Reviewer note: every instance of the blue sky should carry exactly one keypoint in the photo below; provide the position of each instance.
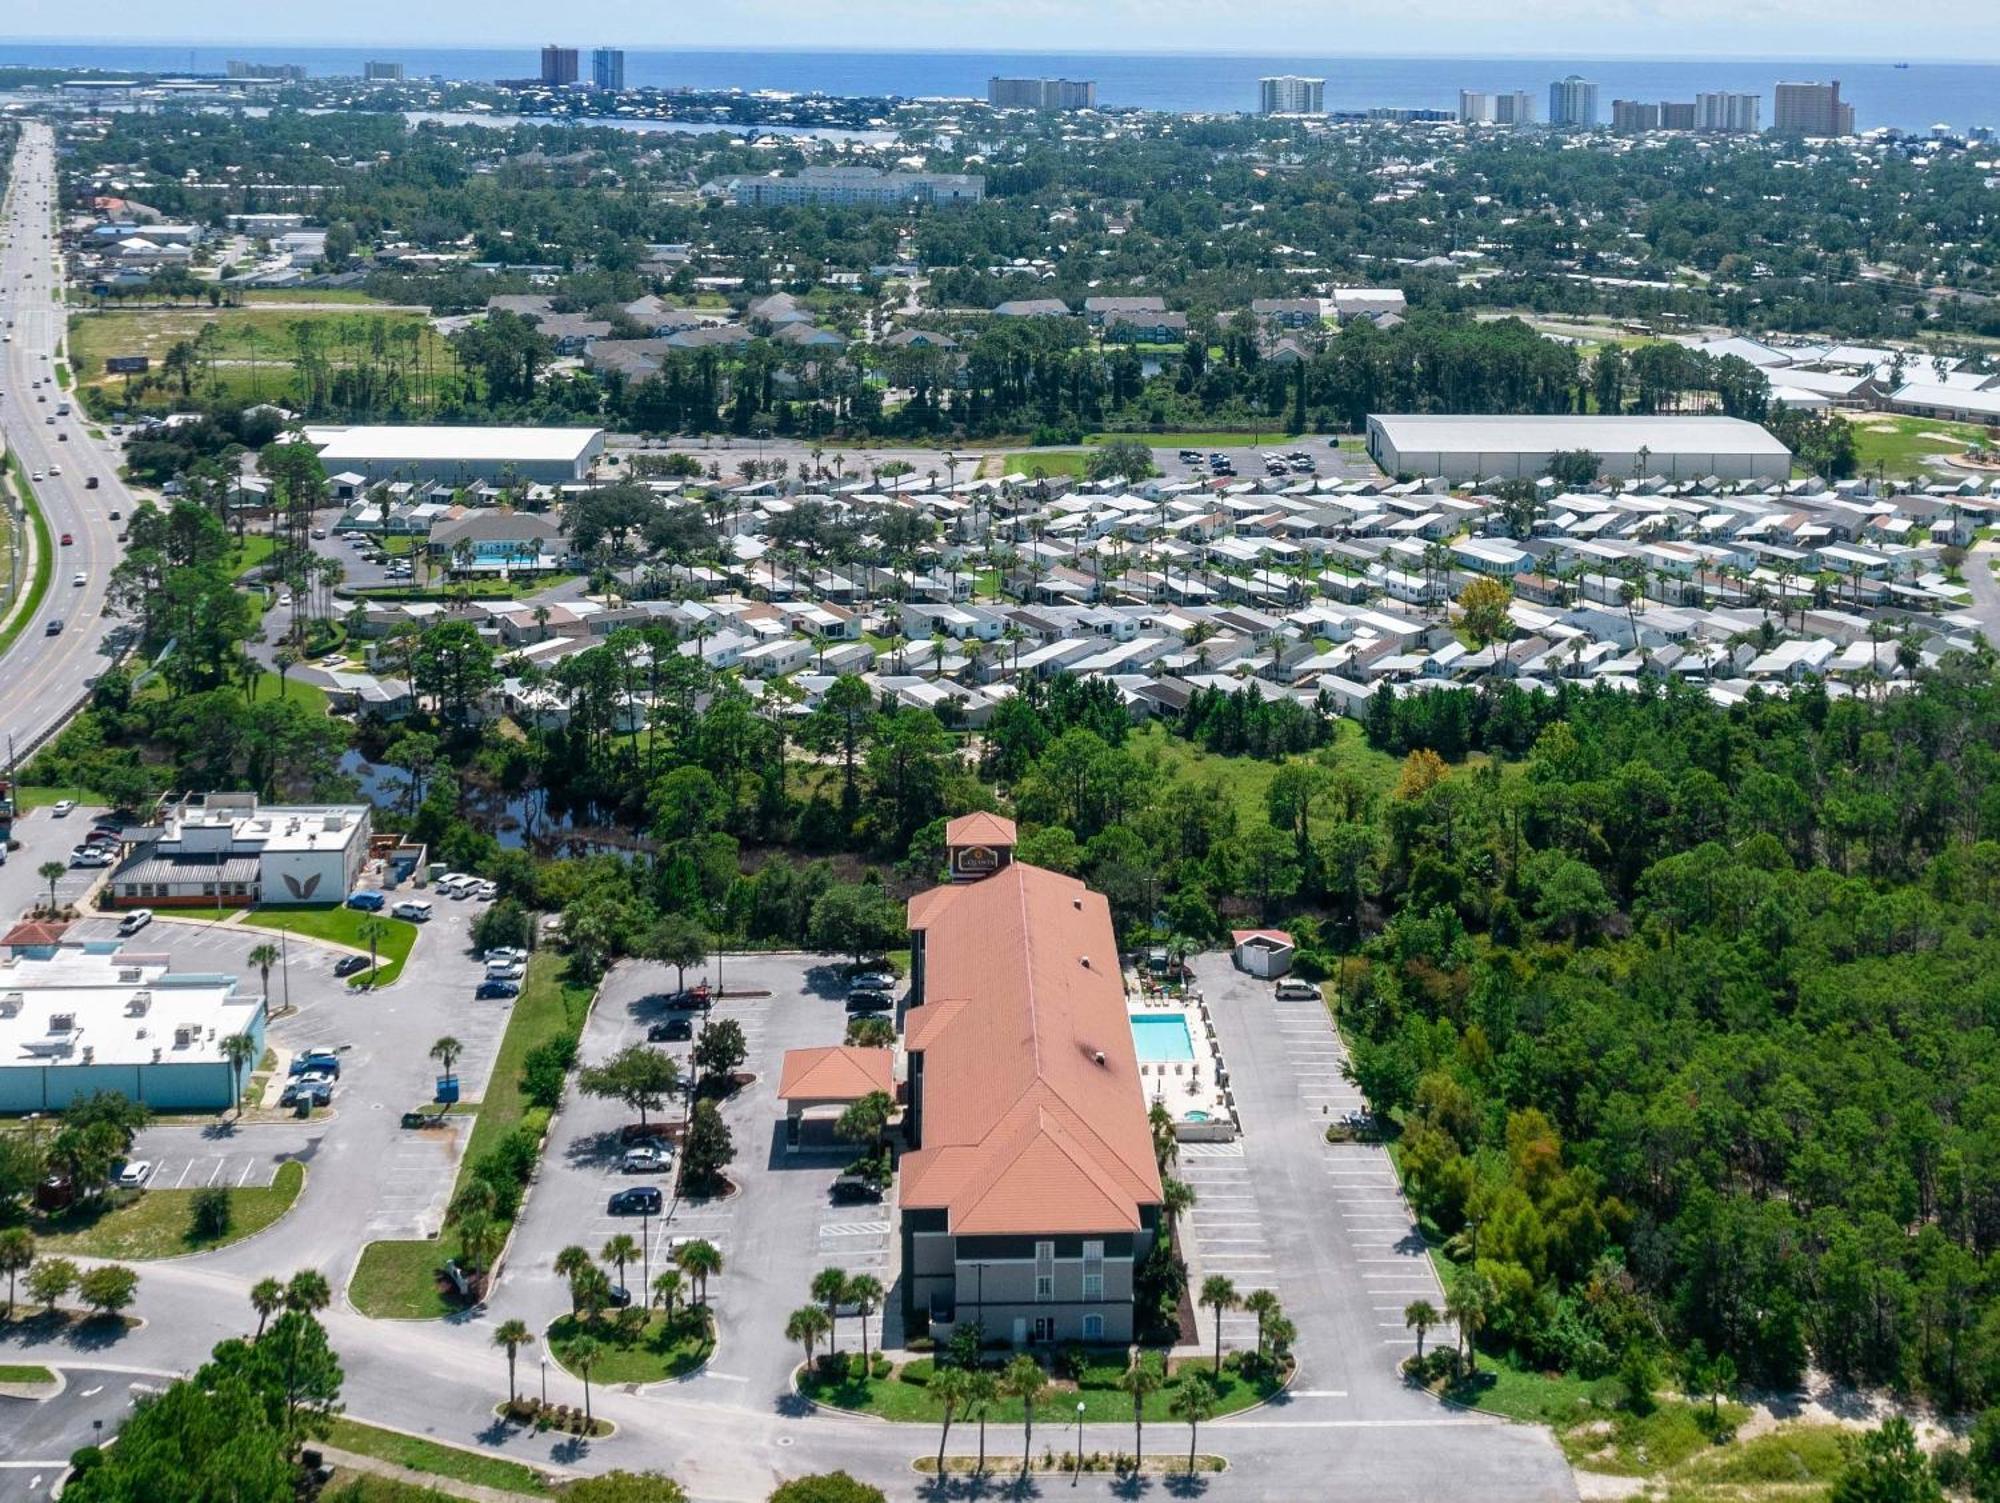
(1957, 30)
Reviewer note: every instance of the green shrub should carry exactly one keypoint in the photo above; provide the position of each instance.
(208, 1213)
(918, 1372)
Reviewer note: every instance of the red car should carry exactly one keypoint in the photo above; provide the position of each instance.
(67, 540)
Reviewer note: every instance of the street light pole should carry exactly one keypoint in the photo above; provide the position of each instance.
(545, 1382)
(1079, 1445)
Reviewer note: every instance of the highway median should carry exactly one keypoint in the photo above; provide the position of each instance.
(40, 562)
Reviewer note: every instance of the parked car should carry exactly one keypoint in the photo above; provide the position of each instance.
(308, 1092)
(694, 999)
(63, 808)
(349, 965)
(90, 855)
(366, 900)
(486, 892)
(848, 1188)
(414, 909)
(324, 1061)
(136, 920)
(640, 1200)
(497, 987)
(670, 1031)
(1294, 990)
(135, 1174)
(505, 953)
(861, 1002)
(645, 1159)
(873, 981)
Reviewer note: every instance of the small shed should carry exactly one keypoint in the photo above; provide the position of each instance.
(1266, 953)
(836, 1076)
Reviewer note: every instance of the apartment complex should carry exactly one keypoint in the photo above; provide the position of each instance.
(1573, 101)
(1476, 107)
(856, 186)
(607, 69)
(379, 72)
(1041, 93)
(1812, 109)
(266, 72)
(1731, 113)
(558, 66)
(1029, 1194)
(1289, 94)
(1736, 113)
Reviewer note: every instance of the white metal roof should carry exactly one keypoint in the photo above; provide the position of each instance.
(439, 443)
(1534, 435)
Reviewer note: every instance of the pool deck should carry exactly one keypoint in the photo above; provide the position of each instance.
(1197, 1085)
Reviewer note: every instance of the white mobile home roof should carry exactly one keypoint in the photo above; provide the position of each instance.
(471, 445)
(1659, 435)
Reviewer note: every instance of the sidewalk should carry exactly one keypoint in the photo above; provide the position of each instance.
(353, 1461)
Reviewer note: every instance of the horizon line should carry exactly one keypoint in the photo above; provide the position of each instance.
(1294, 55)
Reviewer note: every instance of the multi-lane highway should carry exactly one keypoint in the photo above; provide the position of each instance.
(42, 677)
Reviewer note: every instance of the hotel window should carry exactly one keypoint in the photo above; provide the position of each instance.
(1093, 1270)
(1045, 1272)
(1093, 1328)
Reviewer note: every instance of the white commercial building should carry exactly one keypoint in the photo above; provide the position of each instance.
(459, 456)
(1289, 94)
(225, 850)
(1573, 101)
(1520, 448)
(81, 1020)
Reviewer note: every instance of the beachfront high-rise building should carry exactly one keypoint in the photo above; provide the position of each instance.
(1741, 114)
(607, 68)
(1573, 101)
(1634, 115)
(1676, 114)
(383, 72)
(558, 66)
(1289, 94)
(1811, 109)
(267, 72)
(1476, 107)
(1041, 93)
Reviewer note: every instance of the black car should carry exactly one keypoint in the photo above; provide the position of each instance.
(869, 1001)
(671, 1030)
(691, 1000)
(640, 1200)
(619, 1297)
(849, 1188)
(349, 964)
(491, 989)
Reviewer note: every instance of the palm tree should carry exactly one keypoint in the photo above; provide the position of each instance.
(374, 931)
(1466, 1306)
(619, 1251)
(667, 1290)
(864, 1292)
(1218, 1293)
(582, 1354)
(808, 1325)
(267, 1297)
(1176, 1198)
(1142, 1379)
(1194, 1401)
(308, 1292)
(951, 1387)
(446, 1052)
(982, 1392)
(570, 1264)
(264, 957)
(513, 1335)
(239, 1051)
(1262, 1303)
(1420, 1315)
(17, 1255)
(1166, 1143)
(829, 1287)
(51, 872)
(698, 1260)
(1026, 1381)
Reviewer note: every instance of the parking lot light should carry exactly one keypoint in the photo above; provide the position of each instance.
(545, 1382)
(1079, 1445)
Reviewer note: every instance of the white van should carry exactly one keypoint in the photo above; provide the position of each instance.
(414, 909)
(1297, 991)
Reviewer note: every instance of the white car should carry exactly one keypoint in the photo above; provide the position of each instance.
(63, 807)
(90, 855)
(284, 602)
(135, 1174)
(136, 920)
(80, 579)
(55, 469)
(504, 955)
(486, 892)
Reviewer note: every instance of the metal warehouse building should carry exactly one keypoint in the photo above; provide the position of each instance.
(1520, 448)
(460, 456)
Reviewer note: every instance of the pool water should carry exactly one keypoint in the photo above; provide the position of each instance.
(1194, 1116)
(1162, 1038)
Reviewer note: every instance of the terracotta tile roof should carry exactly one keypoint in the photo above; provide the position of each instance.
(1033, 1118)
(1238, 936)
(980, 829)
(33, 932)
(840, 1073)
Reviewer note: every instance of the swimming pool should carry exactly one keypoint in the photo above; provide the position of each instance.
(1162, 1038)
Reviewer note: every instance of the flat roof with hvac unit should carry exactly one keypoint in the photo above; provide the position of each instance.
(1473, 448)
(459, 455)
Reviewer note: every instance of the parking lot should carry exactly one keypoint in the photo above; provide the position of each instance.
(781, 1226)
(45, 836)
(1324, 1224)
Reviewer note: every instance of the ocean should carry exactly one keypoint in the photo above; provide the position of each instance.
(1961, 95)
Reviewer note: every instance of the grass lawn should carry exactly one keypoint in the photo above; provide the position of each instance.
(476, 589)
(1246, 781)
(421, 1455)
(45, 557)
(40, 796)
(1632, 1445)
(898, 1398)
(248, 553)
(342, 926)
(254, 353)
(399, 1279)
(1902, 445)
(661, 1352)
(354, 295)
(1049, 462)
(310, 697)
(18, 1373)
(139, 1224)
